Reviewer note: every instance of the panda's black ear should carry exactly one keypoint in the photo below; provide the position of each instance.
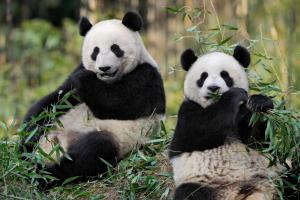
(188, 57)
(84, 26)
(242, 55)
(133, 21)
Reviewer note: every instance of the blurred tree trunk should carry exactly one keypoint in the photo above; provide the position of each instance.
(8, 31)
(281, 49)
(126, 4)
(8, 43)
(91, 9)
(242, 13)
(9, 56)
(111, 6)
(292, 23)
(143, 10)
(167, 33)
(187, 22)
(25, 12)
(83, 7)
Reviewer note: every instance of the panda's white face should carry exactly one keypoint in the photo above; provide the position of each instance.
(111, 50)
(213, 72)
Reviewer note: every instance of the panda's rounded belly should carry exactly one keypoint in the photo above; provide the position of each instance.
(127, 134)
(223, 165)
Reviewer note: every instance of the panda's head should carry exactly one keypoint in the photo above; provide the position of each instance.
(214, 72)
(112, 48)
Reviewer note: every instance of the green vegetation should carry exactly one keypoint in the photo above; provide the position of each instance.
(144, 174)
(44, 55)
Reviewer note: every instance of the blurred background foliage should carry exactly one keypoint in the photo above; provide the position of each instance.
(40, 44)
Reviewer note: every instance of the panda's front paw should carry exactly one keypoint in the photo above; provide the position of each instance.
(83, 79)
(83, 75)
(237, 96)
(260, 103)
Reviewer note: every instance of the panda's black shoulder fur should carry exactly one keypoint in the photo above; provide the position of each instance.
(137, 94)
(199, 128)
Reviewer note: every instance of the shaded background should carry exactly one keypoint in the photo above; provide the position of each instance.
(40, 43)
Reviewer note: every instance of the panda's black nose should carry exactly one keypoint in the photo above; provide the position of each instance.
(213, 88)
(104, 69)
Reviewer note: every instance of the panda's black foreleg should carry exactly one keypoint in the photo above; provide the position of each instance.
(44, 104)
(87, 154)
(253, 134)
(218, 121)
(193, 191)
(206, 128)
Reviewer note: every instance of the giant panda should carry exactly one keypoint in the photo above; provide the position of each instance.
(213, 151)
(119, 100)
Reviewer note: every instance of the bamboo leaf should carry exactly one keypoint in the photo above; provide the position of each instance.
(69, 180)
(230, 27)
(225, 40)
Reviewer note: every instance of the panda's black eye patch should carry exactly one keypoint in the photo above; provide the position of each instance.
(226, 77)
(117, 50)
(95, 53)
(203, 77)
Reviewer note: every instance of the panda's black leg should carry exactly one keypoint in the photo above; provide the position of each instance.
(193, 191)
(87, 155)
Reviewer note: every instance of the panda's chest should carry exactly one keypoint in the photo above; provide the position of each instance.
(225, 164)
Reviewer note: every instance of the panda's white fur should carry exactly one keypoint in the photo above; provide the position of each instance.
(228, 165)
(129, 134)
(103, 35)
(213, 63)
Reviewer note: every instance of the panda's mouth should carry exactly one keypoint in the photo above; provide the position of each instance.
(107, 75)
